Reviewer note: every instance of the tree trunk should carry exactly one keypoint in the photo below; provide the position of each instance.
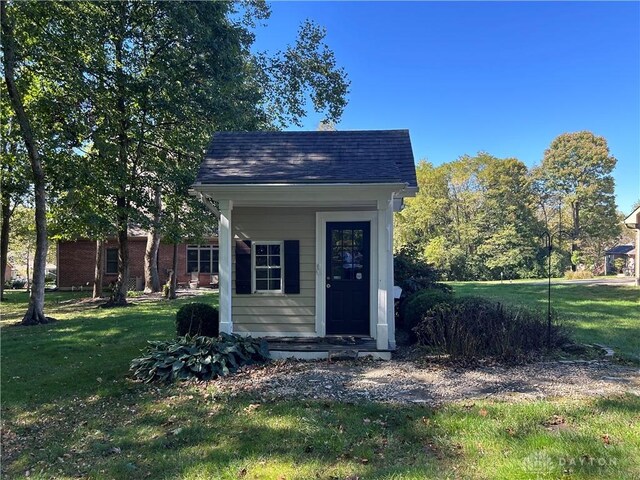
(174, 278)
(119, 296)
(575, 233)
(35, 311)
(4, 241)
(151, 276)
(99, 271)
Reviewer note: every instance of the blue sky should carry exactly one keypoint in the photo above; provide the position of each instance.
(500, 77)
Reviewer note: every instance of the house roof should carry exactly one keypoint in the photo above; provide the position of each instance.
(363, 156)
(621, 250)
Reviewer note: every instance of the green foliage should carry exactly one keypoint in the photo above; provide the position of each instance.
(202, 358)
(412, 273)
(474, 327)
(197, 319)
(473, 219)
(415, 306)
(619, 263)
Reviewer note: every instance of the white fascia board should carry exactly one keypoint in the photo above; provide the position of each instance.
(634, 218)
(302, 194)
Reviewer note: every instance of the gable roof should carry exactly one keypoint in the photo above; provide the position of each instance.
(362, 156)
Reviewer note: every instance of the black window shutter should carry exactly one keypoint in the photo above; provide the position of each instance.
(292, 266)
(243, 267)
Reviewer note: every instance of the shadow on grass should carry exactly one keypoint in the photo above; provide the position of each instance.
(192, 432)
(89, 353)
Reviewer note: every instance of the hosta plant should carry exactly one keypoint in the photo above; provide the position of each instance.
(202, 358)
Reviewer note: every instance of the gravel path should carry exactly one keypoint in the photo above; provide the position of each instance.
(403, 381)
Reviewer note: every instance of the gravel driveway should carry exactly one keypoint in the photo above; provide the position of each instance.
(403, 381)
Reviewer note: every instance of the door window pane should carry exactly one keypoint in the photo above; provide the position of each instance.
(347, 254)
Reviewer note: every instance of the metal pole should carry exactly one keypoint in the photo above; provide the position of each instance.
(549, 300)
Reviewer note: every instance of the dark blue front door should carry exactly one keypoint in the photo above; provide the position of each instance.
(347, 280)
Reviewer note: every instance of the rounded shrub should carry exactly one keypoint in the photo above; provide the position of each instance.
(418, 304)
(197, 319)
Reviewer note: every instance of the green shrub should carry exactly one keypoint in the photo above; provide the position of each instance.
(578, 274)
(197, 319)
(203, 358)
(415, 306)
(412, 274)
(473, 327)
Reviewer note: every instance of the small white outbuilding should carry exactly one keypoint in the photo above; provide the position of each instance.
(306, 233)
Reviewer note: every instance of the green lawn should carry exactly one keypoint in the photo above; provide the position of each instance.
(606, 314)
(69, 410)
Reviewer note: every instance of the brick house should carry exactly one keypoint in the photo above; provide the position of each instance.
(76, 262)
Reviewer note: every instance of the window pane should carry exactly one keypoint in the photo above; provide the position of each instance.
(262, 284)
(205, 260)
(274, 284)
(215, 257)
(274, 260)
(275, 273)
(274, 249)
(192, 260)
(261, 249)
(262, 273)
(111, 265)
(261, 261)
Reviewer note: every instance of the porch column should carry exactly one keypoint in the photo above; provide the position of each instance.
(385, 283)
(637, 257)
(225, 240)
(391, 315)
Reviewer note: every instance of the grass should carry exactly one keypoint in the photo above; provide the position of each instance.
(605, 314)
(69, 410)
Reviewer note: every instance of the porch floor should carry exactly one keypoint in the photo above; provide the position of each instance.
(323, 344)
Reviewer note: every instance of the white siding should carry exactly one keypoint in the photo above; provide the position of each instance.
(277, 313)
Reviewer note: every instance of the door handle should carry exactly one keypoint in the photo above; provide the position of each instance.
(328, 285)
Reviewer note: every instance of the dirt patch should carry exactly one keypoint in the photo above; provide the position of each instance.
(404, 381)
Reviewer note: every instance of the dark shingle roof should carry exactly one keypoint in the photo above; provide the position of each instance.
(367, 156)
(620, 250)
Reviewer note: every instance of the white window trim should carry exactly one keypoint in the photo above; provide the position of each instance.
(198, 247)
(254, 243)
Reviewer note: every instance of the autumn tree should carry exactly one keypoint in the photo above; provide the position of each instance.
(576, 172)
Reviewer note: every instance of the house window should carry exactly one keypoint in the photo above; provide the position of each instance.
(267, 266)
(202, 259)
(111, 265)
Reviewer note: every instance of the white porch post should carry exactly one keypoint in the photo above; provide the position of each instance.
(225, 239)
(385, 283)
(391, 316)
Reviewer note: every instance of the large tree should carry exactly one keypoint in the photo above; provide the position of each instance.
(151, 81)
(576, 173)
(165, 75)
(39, 85)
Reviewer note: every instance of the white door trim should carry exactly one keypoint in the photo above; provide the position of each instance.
(321, 262)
